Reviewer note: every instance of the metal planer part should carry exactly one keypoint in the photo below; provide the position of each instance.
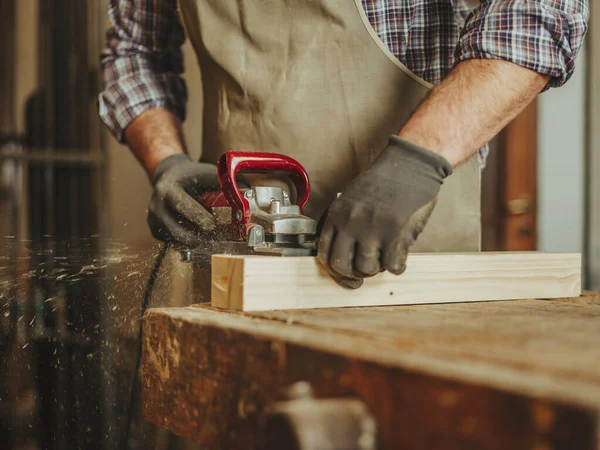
(258, 220)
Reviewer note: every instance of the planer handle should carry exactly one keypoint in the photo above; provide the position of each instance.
(231, 163)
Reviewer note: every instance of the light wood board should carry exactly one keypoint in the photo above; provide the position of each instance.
(259, 283)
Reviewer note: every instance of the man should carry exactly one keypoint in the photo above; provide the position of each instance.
(344, 88)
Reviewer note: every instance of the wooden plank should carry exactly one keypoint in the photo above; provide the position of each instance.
(498, 375)
(255, 283)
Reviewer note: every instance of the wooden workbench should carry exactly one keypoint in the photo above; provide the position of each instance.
(496, 375)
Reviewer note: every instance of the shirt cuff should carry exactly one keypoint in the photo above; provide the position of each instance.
(534, 35)
(128, 97)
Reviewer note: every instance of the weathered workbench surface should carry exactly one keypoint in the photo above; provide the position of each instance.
(498, 375)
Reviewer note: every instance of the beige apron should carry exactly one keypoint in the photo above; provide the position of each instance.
(311, 79)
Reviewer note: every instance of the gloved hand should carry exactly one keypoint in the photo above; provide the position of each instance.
(370, 226)
(173, 215)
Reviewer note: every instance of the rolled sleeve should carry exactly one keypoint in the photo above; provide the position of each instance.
(142, 62)
(544, 35)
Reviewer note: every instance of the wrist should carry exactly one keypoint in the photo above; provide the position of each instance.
(420, 156)
(154, 136)
(153, 160)
(431, 143)
(167, 163)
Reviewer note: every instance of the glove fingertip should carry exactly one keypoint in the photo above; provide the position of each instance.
(397, 269)
(205, 220)
(395, 262)
(352, 283)
(324, 246)
(192, 211)
(322, 256)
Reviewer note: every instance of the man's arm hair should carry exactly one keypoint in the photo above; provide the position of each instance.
(144, 98)
(508, 52)
(471, 106)
(153, 136)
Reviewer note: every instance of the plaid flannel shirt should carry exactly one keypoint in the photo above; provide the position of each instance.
(143, 60)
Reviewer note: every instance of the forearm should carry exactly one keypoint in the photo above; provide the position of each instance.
(471, 106)
(153, 136)
(142, 66)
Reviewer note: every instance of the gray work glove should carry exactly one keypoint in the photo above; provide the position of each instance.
(370, 226)
(173, 214)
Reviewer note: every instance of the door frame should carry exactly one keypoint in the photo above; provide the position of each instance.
(591, 247)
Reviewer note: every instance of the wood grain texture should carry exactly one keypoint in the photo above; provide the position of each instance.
(259, 283)
(518, 374)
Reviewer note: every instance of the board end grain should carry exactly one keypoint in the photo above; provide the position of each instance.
(227, 283)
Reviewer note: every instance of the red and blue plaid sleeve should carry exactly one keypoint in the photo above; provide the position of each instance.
(142, 62)
(543, 35)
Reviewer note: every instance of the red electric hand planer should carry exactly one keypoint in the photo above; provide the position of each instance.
(260, 219)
